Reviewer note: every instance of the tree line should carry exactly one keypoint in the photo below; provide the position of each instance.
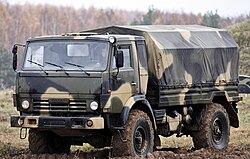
(19, 22)
(241, 34)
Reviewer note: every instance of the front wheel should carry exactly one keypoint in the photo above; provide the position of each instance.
(46, 142)
(137, 138)
(215, 129)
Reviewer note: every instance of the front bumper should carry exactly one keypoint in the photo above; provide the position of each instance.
(49, 122)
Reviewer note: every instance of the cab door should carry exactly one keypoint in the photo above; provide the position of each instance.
(123, 81)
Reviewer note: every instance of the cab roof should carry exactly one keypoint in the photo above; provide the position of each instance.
(87, 36)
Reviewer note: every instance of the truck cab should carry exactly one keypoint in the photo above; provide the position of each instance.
(76, 85)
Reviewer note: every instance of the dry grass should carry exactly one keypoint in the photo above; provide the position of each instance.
(9, 137)
(240, 137)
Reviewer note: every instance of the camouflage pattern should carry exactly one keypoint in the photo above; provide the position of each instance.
(69, 96)
(170, 66)
(186, 64)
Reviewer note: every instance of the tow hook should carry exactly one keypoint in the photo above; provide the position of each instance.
(23, 136)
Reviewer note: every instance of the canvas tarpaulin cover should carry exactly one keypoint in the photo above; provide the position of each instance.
(185, 55)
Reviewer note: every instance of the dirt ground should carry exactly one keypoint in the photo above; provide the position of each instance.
(169, 153)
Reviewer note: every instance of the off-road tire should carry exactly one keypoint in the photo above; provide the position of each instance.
(37, 142)
(215, 129)
(41, 142)
(99, 141)
(138, 137)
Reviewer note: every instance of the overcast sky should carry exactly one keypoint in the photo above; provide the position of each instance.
(224, 7)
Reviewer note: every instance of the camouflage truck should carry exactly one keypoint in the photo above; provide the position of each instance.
(124, 86)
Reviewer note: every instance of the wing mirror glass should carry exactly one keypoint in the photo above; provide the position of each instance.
(14, 62)
(119, 59)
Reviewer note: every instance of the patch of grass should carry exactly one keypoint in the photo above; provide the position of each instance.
(85, 147)
(10, 142)
(4, 128)
(6, 105)
(5, 98)
(8, 149)
(240, 137)
(244, 111)
(176, 142)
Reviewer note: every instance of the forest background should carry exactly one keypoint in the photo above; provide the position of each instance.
(21, 21)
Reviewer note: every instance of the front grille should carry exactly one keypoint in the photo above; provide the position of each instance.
(60, 105)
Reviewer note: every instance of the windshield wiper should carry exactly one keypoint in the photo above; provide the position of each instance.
(38, 64)
(79, 66)
(53, 64)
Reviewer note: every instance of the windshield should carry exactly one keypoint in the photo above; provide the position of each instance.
(67, 55)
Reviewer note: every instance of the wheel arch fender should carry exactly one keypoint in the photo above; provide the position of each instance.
(230, 108)
(137, 102)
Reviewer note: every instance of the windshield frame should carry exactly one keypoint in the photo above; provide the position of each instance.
(67, 42)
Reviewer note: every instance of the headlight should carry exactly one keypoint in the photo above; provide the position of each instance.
(25, 104)
(93, 105)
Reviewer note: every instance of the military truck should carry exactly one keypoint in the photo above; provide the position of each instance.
(124, 86)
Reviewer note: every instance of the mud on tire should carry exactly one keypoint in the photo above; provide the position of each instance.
(46, 142)
(138, 137)
(215, 129)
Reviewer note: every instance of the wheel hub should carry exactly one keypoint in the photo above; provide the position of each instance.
(139, 139)
(217, 130)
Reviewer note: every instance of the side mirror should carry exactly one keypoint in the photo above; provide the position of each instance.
(119, 59)
(14, 49)
(14, 62)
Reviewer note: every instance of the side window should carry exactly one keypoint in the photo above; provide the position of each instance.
(127, 55)
(142, 54)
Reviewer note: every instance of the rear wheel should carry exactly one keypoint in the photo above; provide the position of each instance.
(46, 142)
(138, 137)
(215, 129)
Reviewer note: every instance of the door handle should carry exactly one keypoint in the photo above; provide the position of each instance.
(133, 84)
